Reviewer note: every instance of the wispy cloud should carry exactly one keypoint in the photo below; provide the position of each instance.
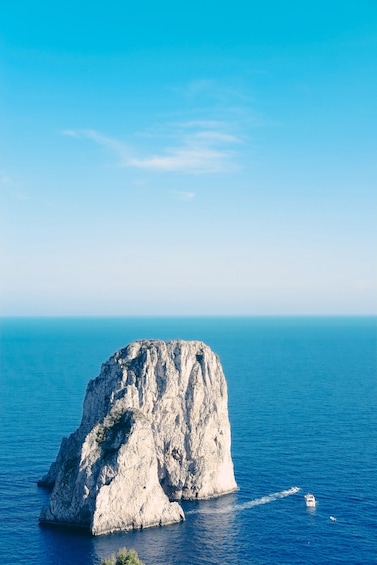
(205, 124)
(108, 142)
(199, 147)
(70, 133)
(12, 187)
(183, 195)
(195, 159)
(224, 93)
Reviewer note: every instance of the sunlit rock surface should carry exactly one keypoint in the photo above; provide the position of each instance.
(154, 429)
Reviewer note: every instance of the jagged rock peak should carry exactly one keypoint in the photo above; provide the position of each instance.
(154, 429)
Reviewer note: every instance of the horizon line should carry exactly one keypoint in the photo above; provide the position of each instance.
(123, 316)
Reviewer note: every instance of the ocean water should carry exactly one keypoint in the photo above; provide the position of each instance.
(302, 405)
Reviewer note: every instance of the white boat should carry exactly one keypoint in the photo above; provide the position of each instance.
(310, 500)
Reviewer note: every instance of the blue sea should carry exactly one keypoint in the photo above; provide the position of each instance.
(303, 411)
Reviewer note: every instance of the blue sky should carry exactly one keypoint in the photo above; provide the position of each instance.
(188, 158)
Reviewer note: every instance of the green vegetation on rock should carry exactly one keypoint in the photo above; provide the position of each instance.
(124, 557)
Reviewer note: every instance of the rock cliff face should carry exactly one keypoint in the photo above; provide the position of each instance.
(155, 428)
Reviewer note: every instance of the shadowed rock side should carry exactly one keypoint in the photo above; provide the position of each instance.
(155, 428)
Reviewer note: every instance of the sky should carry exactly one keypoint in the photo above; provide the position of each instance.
(188, 158)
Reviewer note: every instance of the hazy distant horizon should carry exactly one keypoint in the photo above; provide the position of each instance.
(186, 316)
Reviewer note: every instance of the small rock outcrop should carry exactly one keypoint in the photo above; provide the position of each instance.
(154, 429)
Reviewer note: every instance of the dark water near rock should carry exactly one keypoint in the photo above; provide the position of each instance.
(302, 402)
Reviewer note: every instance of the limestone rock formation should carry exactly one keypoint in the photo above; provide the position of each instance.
(154, 429)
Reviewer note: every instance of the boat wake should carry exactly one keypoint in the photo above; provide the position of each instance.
(245, 505)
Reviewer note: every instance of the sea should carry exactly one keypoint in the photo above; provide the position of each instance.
(302, 405)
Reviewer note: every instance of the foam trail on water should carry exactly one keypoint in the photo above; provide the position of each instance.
(250, 504)
(266, 499)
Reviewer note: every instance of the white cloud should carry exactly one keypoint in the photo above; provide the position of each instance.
(70, 133)
(190, 159)
(184, 196)
(202, 151)
(209, 124)
(210, 136)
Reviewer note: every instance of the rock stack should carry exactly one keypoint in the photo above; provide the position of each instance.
(154, 430)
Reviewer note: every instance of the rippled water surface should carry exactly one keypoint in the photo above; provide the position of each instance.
(302, 403)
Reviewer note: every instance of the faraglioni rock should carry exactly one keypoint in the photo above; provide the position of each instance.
(154, 429)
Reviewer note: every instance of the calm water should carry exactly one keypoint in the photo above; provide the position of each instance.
(302, 403)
